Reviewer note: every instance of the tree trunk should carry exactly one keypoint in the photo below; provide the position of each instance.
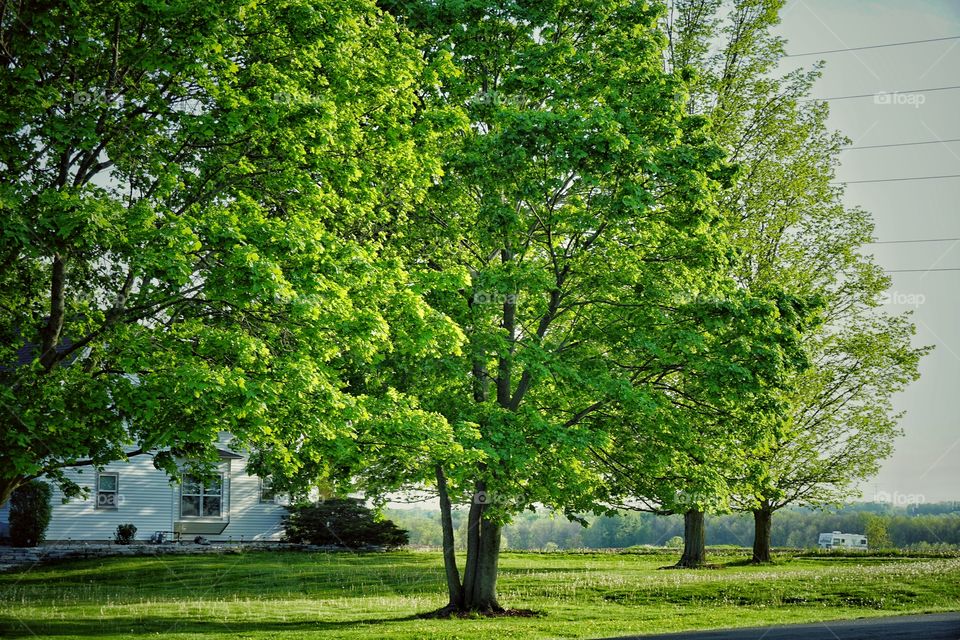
(485, 591)
(762, 520)
(694, 545)
(478, 591)
(473, 550)
(454, 586)
(50, 333)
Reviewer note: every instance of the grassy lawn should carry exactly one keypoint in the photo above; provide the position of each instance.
(342, 595)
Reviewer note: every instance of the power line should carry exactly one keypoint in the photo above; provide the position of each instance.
(908, 241)
(921, 270)
(899, 144)
(872, 46)
(877, 94)
(954, 175)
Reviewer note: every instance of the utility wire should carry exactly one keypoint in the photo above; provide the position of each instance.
(880, 93)
(920, 270)
(898, 144)
(908, 241)
(872, 46)
(954, 175)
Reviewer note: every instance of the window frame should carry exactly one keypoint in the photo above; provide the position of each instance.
(115, 492)
(266, 487)
(202, 495)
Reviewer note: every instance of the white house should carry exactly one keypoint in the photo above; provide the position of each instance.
(838, 540)
(236, 506)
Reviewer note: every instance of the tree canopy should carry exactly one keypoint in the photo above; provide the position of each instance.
(576, 241)
(195, 200)
(792, 228)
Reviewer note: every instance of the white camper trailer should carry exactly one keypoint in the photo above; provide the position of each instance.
(838, 540)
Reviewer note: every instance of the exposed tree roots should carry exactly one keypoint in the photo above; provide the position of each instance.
(448, 612)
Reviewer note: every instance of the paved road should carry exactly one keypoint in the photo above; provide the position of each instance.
(938, 626)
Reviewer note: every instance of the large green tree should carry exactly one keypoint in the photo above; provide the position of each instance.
(569, 239)
(194, 199)
(695, 450)
(712, 458)
(794, 230)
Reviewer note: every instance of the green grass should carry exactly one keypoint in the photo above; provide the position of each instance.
(341, 595)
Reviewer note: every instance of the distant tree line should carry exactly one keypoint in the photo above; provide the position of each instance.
(935, 525)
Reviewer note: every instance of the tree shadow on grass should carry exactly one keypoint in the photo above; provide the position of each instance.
(250, 576)
(154, 625)
(749, 562)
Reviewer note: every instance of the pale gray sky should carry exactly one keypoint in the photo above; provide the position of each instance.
(926, 464)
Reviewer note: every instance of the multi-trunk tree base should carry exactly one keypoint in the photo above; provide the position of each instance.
(477, 592)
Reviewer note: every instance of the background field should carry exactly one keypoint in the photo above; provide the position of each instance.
(376, 595)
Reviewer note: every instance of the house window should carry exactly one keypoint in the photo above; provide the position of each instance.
(107, 489)
(198, 500)
(267, 494)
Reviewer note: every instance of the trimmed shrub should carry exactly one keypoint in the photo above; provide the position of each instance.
(125, 533)
(344, 523)
(29, 514)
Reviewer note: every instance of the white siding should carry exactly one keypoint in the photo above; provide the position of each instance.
(4, 519)
(249, 519)
(248, 516)
(143, 499)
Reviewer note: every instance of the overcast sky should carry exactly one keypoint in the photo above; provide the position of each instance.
(926, 464)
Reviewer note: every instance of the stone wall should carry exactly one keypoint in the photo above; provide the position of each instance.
(11, 557)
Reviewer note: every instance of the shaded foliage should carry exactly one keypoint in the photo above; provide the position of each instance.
(30, 514)
(341, 522)
(125, 533)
